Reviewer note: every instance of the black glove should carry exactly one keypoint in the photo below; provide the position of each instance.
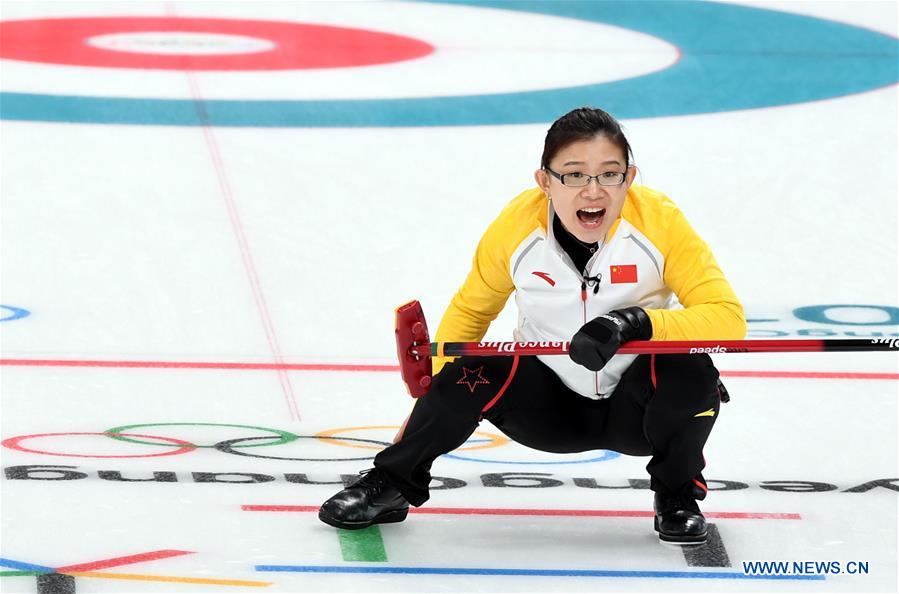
(599, 339)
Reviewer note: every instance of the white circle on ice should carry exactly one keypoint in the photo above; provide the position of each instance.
(477, 51)
(181, 43)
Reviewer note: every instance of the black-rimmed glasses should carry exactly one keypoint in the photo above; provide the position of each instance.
(579, 180)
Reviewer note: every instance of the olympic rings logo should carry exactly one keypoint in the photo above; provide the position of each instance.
(248, 446)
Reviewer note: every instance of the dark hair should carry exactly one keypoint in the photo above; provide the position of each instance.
(584, 123)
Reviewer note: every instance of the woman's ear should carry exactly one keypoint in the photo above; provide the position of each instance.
(631, 174)
(542, 180)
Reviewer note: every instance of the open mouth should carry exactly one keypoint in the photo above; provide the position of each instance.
(591, 217)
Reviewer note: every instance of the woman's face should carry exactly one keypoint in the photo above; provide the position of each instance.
(587, 212)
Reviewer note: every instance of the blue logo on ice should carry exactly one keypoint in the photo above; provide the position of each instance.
(9, 313)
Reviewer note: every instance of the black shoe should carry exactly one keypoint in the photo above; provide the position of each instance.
(370, 500)
(678, 520)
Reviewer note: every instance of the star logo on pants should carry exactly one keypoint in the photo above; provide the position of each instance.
(473, 377)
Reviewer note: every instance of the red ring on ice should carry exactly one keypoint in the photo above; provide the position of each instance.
(297, 46)
(15, 443)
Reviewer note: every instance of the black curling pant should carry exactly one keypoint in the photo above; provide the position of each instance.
(664, 407)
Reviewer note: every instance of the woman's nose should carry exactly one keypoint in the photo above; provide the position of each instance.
(593, 189)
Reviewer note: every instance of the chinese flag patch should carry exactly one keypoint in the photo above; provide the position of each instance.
(623, 273)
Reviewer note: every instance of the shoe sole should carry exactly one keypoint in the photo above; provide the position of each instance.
(397, 515)
(693, 539)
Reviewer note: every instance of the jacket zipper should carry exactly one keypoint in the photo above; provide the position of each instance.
(584, 300)
(584, 303)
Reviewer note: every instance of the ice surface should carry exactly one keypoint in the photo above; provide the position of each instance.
(161, 249)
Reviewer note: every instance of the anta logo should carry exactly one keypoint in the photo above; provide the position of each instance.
(545, 276)
(705, 413)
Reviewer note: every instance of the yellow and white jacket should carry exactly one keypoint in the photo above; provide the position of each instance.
(651, 258)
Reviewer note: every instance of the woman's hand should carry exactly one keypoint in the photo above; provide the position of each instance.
(599, 339)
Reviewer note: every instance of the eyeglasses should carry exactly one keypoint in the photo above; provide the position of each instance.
(579, 180)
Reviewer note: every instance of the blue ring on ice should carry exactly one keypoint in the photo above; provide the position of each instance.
(733, 58)
(606, 457)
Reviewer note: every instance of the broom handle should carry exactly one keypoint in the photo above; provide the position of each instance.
(674, 347)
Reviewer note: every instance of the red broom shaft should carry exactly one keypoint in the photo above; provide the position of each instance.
(640, 347)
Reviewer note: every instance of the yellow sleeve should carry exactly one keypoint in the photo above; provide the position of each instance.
(480, 298)
(489, 284)
(711, 308)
